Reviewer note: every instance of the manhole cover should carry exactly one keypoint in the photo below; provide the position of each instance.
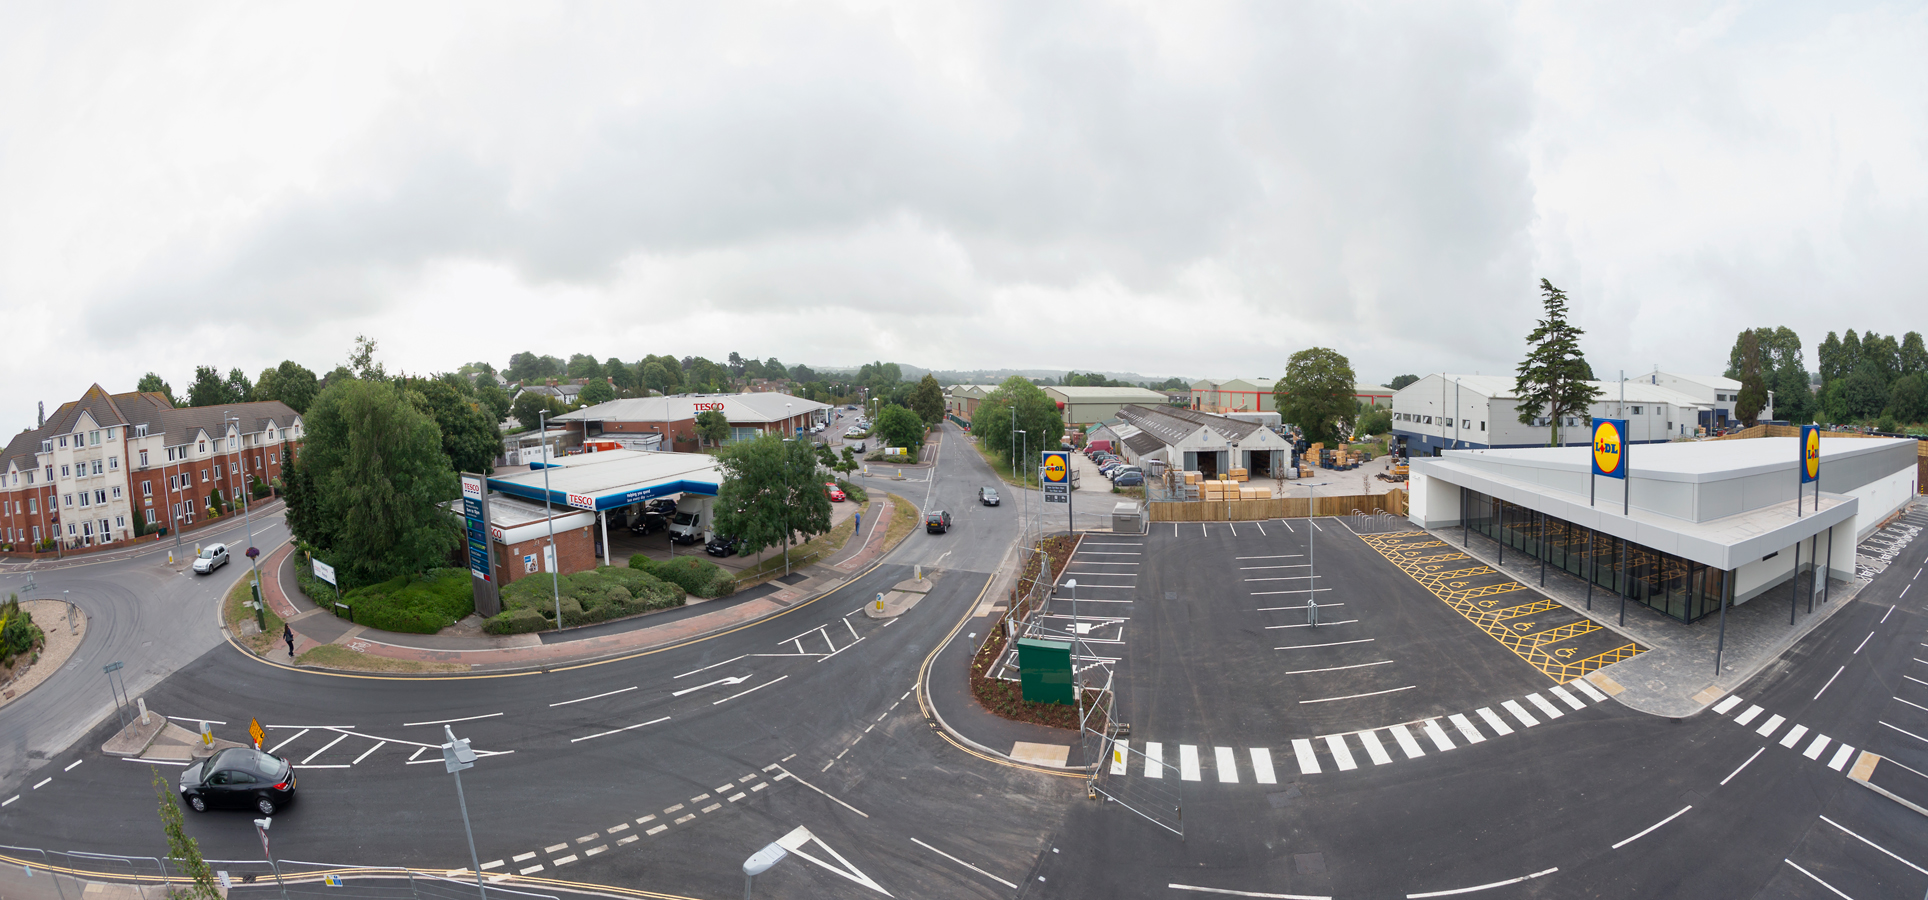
(1309, 863)
(1171, 595)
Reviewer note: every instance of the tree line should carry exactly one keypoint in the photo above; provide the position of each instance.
(1871, 379)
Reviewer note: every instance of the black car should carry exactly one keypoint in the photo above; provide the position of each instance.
(987, 496)
(239, 778)
(721, 546)
(648, 523)
(937, 521)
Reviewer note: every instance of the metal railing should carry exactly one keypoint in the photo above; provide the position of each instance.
(73, 874)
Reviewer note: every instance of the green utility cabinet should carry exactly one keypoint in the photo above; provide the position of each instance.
(1045, 669)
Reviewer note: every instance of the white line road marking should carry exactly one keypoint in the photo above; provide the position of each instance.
(1308, 762)
(964, 864)
(619, 826)
(1154, 760)
(1466, 728)
(1519, 712)
(1278, 556)
(43, 783)
(1282, 608)
(1551, 711)
(1567, 698)
(1262, 765)
(827, 655)
(71, 765)
(1481, 887)
(1727, 704)
(588, 837)
(1747, 716)
(1824, 688)
(1357, 696)
(755, 689)
(564, 860)
(1793, 736)
(418, 752)
(1891, 608)
(1875, 845)
(492, 865)
(1493, 720)
(1737, 769)
(1227, 765)
(1316, 525)
(825, 793)
(600, 696)
(529, 870)
(1375, 750)
(619, 730)
(276, 748)
(658, 829)
(731, 681)
(209, 721)
(1333, 644)
(1840, 758)
(1188, 762)
(1904, 731)
(1406, 742)
(1767, 728)
(1913, 704)
(1588, 689)
(628, 840)
(3, 803)
(1312, 625)
(1340, 752)
(450, 721)
(1231, 893)
(1817, 879)
(1298, 591)
(1650, 828)
(1383, 662)
(1864, 643)
(1121, 758)
(1280, 566)
(324, 749)
(365, 753)
(1261, 526)
(555, 848)
(1814, 750)
(1438, 734)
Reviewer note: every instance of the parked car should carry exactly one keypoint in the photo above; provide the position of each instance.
(721, 546)
(937, 521)
(648, 522)
(836, 493)
(213, 556)
(239, 778)
(1129, 479)
(1121, 471)
(987, 496)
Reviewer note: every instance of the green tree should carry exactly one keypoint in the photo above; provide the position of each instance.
(1036, 415)
(239, 386)
(529, 406)
(1850, 353)
(1913, 357)
(1753, 396)
(582, 365)
(846, 463)
(1170, 384)
(1552, 380)
(361, 360)
(1855, 398)
(1400, 382)
(1880, 357)
(298, 495)
(1374, 420)
(182, 850)
(210, 389)
(153, 382)
(1830, 360)
(467, 429)
(771, 493)
(713, 427)
(494, 398)
(140, 522)
(1316, 394)
(927, 400)
(596, 391)
(899, 427)
(380, 477)
(1908, 398)
(291, 383)
(621, 377)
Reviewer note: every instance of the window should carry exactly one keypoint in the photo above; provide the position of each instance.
(110, 432)
(204, 476)
(217, 471)
(230, 442)
(93, 438)
(143, 459)
(140, 431)
(147, 488)
(97, 467)
(271, 460)
(113, 463)
(204, 447)
(30, 474)
(1636, 410)
(63, 470)
(50, 473)
(1465, 423)
(120, 521)
(33, 506)
(36, 534)
(117, 492)
(1428, 421)
(84, 497)
(63, 440)
(1482, 424)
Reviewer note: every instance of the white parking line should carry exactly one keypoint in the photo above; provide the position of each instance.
(1493, 720)
(1374, 749)
(450, 721)
(1332, 644)
(277, 747)
(1188, 762)
(1466, 728)
(1817, 879)
(324, 749)
(1519, 712)
(1313, 624)
(1870, 843)
(1262, 765)
(1340, 752)
(1482, 887)
(1383, 662)
(1308, 761)
(365, 753)
(1406, 742)
(1357, 696)
(1227, 765)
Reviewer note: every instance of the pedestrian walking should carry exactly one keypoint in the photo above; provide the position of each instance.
(288, 634)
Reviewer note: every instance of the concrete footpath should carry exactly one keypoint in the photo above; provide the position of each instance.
(446, 654)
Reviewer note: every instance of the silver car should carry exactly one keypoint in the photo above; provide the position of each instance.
(213, 556)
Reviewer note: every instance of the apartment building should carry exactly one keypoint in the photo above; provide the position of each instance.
(106, 464)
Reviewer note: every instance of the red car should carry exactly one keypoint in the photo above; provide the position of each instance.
(835, 492)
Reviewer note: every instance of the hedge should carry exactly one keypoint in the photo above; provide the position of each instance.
(599, 595)
(697, 576)
(416, 604)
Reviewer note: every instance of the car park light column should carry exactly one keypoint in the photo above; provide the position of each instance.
(555, 558)
(248, 520)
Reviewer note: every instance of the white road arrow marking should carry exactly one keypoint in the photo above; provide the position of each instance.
(737, 680)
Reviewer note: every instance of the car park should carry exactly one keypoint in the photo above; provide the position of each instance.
(937, 521)
(836, 493)
(987, 496)
(211, 557)
(239, 778)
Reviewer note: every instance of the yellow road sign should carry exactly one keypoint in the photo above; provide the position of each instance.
(254, 731)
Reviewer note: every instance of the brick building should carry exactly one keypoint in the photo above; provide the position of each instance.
(105, 464)
(674, 418)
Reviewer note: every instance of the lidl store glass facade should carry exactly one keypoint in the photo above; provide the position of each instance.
(1680, 588)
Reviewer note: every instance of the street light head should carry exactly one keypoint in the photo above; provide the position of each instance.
(264, 823)
(761, 861)
(1071, 583)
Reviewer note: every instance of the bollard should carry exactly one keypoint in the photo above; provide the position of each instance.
(919, 568)
(880, 603)
(142, 703)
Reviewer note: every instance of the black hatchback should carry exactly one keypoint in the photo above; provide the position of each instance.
(239, 778)
(987, 496)
(937, 521)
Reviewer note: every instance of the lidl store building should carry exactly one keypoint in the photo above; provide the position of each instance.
(1702, 521)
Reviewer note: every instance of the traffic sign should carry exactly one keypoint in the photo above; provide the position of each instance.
(254, 731)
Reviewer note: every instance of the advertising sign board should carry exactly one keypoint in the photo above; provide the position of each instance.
(1610, 448)
(1054, 475)
(326, 572)
(1810, 453)
(477, 529)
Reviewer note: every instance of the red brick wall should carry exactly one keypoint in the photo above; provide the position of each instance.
(575, 552)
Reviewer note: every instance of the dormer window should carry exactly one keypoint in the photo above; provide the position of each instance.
(140, 431)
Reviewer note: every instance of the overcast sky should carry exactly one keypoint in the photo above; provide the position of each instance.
(1167, 188)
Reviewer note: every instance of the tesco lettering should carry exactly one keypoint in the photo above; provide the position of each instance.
(700, 407)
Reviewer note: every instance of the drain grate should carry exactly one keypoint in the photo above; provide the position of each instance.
(1171, 595)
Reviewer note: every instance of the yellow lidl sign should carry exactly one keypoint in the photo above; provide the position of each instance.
(1054, 467)
(1610, 447)
(1810, 453)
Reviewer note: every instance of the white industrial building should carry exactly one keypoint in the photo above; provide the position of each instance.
(1702, 521)
(1476, 412)
(1157, 437)
(1718, 392)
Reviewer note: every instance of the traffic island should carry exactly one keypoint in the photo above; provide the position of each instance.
(900, 598)
(158, 738)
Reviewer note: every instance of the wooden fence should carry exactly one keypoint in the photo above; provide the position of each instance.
(1393, 502)
(1794, 431)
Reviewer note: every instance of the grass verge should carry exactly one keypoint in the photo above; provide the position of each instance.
(1003, 469)
(803, 554)
(335, 656)
(239, 617)
(903, 517)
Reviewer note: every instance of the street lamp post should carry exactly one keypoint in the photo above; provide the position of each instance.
(457, 756)
(248, 520)
(555, 558)
(1311, 559)
(1077, 643)
(261, 828)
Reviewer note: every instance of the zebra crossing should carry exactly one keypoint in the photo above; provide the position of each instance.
(1357, 749)
(1792, 738)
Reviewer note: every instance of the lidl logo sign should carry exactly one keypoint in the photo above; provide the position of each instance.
(1054, 468)
(1609, 448)
(1810, 453)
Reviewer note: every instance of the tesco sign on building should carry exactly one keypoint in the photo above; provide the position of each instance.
(702, 407)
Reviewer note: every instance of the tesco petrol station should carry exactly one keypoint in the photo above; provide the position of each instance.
(1685, 528)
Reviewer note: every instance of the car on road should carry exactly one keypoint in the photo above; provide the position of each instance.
(721, 546)
(987, 496)
(211, 557)
(836, 493)
(937, 521)
(1129, 479)
(239, 778)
